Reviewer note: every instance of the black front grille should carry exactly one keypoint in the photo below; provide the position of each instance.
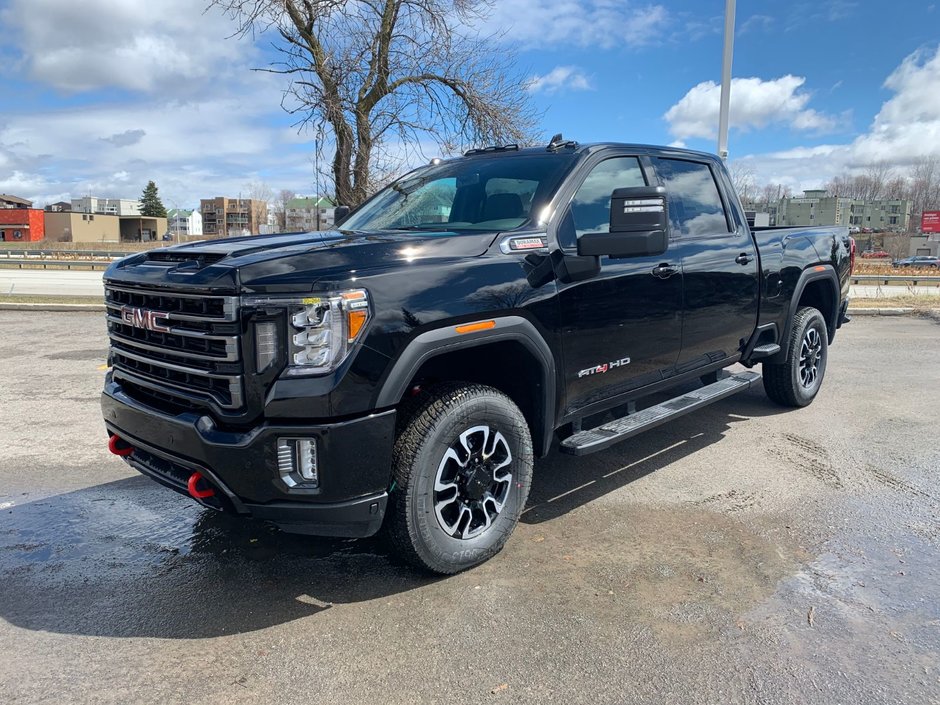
(180, 306)
(182, 348)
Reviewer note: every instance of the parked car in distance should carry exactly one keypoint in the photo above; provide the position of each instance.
(918, 261)
(875, 254)
(854, 230)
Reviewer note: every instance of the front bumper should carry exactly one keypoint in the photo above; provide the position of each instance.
(354, 458)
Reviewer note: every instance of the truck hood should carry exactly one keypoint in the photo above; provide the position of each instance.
(292, 262)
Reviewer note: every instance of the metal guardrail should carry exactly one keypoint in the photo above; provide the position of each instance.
(896, 279)
(52, 264)
(43, 254)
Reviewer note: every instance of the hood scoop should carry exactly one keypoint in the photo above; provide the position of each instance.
(181, 259)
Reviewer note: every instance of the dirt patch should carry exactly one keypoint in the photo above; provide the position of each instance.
(808, 457)
(615, 567)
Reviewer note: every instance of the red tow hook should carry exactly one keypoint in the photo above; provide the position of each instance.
(194, 490)
(119, 446)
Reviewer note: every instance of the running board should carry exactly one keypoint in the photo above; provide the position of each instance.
(608, 434)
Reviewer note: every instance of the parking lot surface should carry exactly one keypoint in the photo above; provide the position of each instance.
(742, 554)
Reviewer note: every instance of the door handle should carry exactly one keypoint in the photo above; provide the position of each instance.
(664, 271)
(742, 258)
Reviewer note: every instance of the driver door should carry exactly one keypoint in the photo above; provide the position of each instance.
(621, 327)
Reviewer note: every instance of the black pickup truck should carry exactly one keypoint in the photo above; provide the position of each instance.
(403, 372)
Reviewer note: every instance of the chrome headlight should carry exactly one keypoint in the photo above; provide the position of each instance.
(321, 329)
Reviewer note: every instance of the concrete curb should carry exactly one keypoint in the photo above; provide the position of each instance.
(10, 306)
(881, 311)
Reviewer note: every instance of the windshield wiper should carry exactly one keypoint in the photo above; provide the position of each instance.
(423, 226)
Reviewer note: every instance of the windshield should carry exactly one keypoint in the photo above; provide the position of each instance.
(500, 192)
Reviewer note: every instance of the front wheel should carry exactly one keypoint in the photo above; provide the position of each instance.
(462, 467)
(797, 381)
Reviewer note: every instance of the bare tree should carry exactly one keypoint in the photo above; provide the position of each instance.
(260, 194)
(372, 73)
(745, 183)
(924, 189)
(771, 194)
(279, 207)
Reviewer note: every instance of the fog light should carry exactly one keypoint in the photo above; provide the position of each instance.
(297, 462)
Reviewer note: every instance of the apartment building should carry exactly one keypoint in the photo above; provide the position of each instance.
(817, 207)
(232, 217)
(106, 206)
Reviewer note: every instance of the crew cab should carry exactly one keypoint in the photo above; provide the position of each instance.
(403, 372)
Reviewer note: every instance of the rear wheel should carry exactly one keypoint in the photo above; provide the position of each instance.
(797, 381)
(462, 468)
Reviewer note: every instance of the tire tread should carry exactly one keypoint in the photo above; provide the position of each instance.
(419, 415)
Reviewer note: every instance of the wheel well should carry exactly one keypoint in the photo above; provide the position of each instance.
(819, 295)
(507, 366)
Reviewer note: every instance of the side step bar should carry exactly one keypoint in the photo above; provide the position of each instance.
(608, 434)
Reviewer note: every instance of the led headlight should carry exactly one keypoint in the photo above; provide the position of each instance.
(321, 329)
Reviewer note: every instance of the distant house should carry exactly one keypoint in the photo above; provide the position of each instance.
(7, 201)
(59, 207)
(182, 222)
(304, 214)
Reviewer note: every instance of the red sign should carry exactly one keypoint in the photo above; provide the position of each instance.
(930, 222)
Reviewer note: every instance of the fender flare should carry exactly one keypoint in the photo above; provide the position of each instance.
(817, 272)
(443, 340)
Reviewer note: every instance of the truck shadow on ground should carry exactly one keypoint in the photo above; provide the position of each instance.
(130, 559)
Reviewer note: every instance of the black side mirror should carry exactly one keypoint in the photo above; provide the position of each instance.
(638, 225)
(339, 214)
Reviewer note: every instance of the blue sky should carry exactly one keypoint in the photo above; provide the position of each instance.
(98, 99)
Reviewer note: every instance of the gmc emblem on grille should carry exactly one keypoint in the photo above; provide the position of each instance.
(142, 318)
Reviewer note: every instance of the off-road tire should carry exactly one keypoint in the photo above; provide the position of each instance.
(782, 381)
(430, 423)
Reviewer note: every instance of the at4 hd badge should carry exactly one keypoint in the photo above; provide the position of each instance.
(606, 367)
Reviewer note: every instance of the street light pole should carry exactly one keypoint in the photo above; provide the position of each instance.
(726, 58)
(316, 177)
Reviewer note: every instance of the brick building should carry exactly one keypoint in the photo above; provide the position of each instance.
(232, 217)
(21, 225)
(19, 221)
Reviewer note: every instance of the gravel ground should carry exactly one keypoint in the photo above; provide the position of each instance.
(742, 554)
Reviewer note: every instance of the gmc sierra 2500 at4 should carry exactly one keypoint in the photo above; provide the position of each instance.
(403, 371)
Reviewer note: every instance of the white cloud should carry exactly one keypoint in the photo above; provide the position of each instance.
(78, 46)
(560, 78)
(906, 128)
(756, 23)
(755, 103)
(601, 24)
(194, 149)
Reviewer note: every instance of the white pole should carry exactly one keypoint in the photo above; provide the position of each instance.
(726, 80)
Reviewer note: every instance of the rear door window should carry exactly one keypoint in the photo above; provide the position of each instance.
(695, 207)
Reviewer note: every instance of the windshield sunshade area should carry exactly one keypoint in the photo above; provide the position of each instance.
(478, 193)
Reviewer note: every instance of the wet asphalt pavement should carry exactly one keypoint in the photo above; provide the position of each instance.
(743, 554)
